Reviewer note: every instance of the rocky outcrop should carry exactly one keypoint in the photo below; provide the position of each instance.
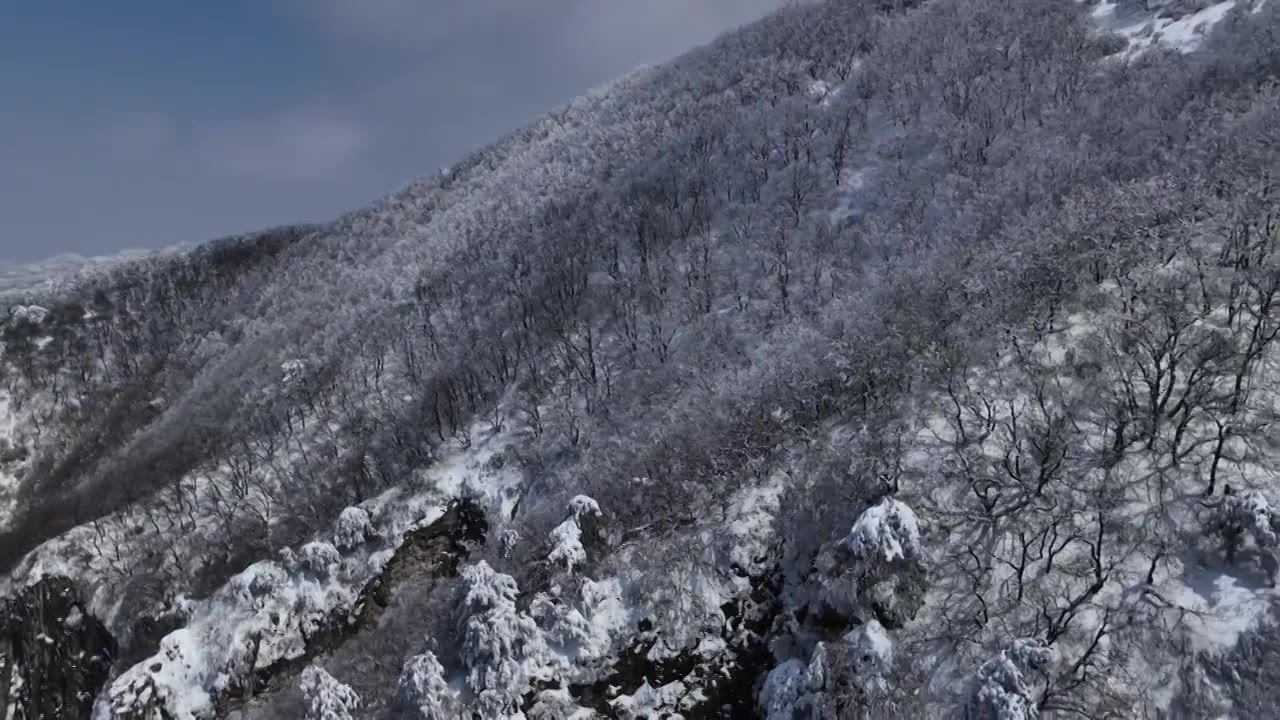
(715, 685)
(54, 655)
(436, 550)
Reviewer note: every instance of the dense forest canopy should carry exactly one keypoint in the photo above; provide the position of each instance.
(880, 359)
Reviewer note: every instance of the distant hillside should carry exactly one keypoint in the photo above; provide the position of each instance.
(24, 279)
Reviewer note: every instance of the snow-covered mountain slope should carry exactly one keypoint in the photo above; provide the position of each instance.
(877, 360)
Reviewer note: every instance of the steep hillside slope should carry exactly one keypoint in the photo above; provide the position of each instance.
(879, 359)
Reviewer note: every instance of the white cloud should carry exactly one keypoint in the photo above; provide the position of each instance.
(304, 145)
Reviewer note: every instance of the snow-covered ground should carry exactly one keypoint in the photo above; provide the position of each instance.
(1220, 604)
(1144, 30)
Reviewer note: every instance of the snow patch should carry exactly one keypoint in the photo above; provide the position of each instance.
(751, 522)
(1221, 606)
(1143, 31)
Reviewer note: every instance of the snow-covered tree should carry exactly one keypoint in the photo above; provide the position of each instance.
(292, 371)
(1004, 687)
(566, 545)
(582, 505)
(34, 314)
(878, 570)
(872, 653)
(352, 528)
(325, 697)
(556, 704)
(795, 689)
(502, 647)
(1246, 513)
(318, 558)
(423, 691)
(566, 538)
(888, 532)
(259, 581)
(580, 625)
(783, 688)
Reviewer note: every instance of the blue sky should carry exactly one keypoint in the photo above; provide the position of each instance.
(145, 123)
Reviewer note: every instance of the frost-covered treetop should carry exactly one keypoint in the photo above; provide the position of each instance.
(326, 698)
(581, 504)
(423, 690)
(1251, 511)
(873, 648)
(1003, 690)
(501, 646)
(566, 545)
(889, 531)
(487, 588)
(319, 557)
(352, 528)
(566, 538)
(795, 689)
(292, 369)
(34, 314)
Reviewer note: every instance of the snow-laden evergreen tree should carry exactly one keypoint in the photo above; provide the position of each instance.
(887, 532)
(581, 505)
(566, 545)
(567, 549)
(795, 689)
(502, 647)
(878, 570)
(319, 558)
(352, 528)
(325, 697)
(1005, 687)
(423, 692)
(782, 690)
(871, 649)
(32, 314)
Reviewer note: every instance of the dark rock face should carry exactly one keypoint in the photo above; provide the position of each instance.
(54, 655)
(595, 536)
(436, 550)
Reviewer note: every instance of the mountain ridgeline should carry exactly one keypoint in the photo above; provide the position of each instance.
(879, 359)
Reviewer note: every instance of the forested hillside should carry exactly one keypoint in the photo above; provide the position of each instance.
(880, 359)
